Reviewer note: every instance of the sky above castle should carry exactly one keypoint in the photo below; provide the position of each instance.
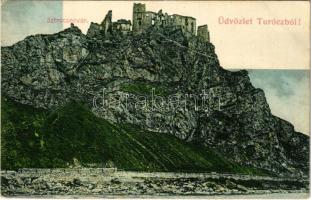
(249, 46)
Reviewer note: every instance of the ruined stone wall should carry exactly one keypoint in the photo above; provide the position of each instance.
(203, 33)
(107, 23)
(188, 24)
(143, 19)
(122, 26)
(149, 18)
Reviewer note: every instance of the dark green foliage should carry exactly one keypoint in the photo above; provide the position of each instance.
(73, 132)
(20, 134)
(37, 138)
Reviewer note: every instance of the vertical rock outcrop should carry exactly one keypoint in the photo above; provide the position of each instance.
(46, 71)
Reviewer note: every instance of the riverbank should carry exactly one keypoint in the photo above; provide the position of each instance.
(284, 195)
(110, 182)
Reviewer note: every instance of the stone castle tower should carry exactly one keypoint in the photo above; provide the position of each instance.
(139, 17)
(203, 33)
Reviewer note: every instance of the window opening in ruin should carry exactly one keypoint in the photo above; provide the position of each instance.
(192, 27)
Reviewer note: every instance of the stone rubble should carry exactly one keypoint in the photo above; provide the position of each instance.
(74, 182)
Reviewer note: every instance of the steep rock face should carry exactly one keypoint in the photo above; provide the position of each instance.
(162, 81)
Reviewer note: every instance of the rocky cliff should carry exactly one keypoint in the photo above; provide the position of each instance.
(162, 81)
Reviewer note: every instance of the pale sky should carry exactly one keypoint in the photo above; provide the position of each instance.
(237, 46)
(287, 92)
(20, 19)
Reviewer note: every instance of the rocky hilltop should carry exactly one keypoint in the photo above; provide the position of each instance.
(160, 80)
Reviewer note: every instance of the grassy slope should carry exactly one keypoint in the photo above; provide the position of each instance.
(36, 138)
(20, 127)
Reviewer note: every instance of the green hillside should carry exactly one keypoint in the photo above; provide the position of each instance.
(37, 138)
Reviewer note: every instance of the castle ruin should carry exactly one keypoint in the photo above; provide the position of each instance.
(203, 33)
(143, 19)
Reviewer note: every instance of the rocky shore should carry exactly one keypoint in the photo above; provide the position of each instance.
(110, 182)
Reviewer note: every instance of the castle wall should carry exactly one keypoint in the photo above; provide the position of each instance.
(203, 33)
(122, 26)
(107, 23)
(149, 19)
(143, 19)
(186, 23)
